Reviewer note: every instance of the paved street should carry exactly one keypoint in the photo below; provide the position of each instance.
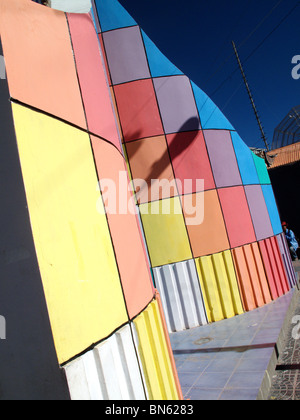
(286, 381)
(235, 359)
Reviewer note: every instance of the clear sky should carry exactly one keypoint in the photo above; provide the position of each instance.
(196, 36)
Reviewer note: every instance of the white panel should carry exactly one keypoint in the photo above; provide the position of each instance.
(71, 6)
(108, 372)
(78, 383)
(179, 288)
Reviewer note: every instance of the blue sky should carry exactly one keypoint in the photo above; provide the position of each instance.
(196, 36)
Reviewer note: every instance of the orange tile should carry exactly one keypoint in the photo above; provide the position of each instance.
(205, 223)
(244, 280)
(39, 59)
(261, 273)
(253, 275)
(124, 228)
(149, 161)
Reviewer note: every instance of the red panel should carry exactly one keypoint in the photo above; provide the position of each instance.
(124, 227)
(138, 110)
(190, 161)
(270, 268)
(279, 264)
(94, 86)
(237, 216)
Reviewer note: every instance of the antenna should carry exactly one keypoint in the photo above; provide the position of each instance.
(251, 97)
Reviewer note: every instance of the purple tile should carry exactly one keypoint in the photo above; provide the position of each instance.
(222, 158)
(259, 212)
(126, 55)
(177, 104)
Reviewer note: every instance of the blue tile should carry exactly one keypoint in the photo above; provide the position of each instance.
(245, 160)
(272, 209)
(112, 15)
(159, 64)
(210, 115)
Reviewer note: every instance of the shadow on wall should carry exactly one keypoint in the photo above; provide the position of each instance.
(176, 148)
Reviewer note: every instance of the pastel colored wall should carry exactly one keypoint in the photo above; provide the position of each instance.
(86, 268)
(172, 132)
(90, 103)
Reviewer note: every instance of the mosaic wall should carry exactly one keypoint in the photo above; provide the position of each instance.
(88, 102)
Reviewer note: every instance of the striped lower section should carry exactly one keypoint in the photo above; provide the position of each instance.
(251, 276)
(274, 267)
(219, 286)
(135, 363)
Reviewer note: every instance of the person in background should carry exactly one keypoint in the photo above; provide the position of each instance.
(292, 241)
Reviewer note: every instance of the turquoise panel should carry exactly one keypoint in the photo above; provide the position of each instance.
(159, 64)
(112, 15)
(261, 169)
(245, 161)
(210, 115)
(272, 208)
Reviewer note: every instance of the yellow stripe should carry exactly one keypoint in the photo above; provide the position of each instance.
(219, 286)
(155, 355)
(165, 232)
(73, 244)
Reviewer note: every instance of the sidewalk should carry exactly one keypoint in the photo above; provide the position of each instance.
(286, 379)
(234, 359)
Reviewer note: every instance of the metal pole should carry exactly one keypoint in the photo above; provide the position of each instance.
(251, 97)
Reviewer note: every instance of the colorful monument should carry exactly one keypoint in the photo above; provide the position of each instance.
(93, 281)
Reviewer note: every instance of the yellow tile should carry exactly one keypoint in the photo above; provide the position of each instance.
(165, 232)
(73, 244)
(154, 354)
(223, 285)
(219, 286)
(209, 289)
(232, 279)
